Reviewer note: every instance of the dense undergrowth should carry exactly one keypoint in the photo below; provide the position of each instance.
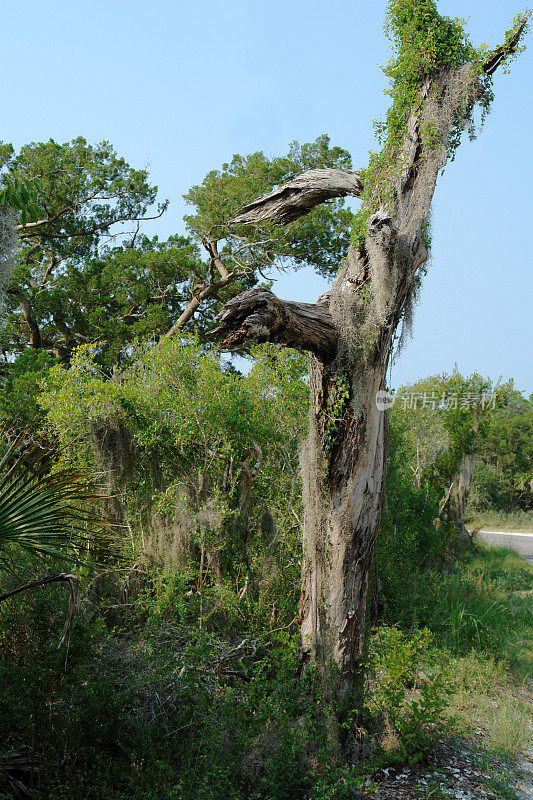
(184, 689)
(148, 704)
(182, 678)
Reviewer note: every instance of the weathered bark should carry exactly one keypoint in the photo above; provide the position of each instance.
(259, 315)
(342, 501)
(300, 195)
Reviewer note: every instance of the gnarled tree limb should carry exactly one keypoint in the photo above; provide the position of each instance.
(38, 583)
(258, 315)
(301, 194)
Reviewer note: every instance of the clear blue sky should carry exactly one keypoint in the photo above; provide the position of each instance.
(181, 86)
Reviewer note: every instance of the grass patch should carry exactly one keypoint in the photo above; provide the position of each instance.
(487, 704)
(481, 602)
(509, 729)
(500, 521)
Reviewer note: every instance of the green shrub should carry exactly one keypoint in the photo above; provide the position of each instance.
(411, 701)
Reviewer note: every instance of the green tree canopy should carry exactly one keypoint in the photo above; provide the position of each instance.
(85, 274)
(443, 418)
(504, 474)
(85, 194)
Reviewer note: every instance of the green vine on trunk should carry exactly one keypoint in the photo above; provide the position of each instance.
(338, 400)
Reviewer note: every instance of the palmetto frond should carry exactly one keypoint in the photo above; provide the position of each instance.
(17, 767)
(45, 512)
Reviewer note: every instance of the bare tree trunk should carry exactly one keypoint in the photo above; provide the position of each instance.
(33, 328)
(342, 500)
(349, 333)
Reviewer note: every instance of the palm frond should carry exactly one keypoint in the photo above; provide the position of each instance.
(46, 511)
(17, 768)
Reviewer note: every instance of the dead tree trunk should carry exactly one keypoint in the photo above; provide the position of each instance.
(349, 333)
(459, 495)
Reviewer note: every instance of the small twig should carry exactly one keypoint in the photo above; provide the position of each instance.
(236, 674)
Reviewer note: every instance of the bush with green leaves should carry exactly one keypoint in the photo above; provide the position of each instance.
(411, 700)
(20, 388)
(198, 451)
(420, 582)
(174, 712)
(503, 479)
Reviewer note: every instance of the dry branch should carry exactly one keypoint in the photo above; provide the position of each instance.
(301, 194)
(258, 315)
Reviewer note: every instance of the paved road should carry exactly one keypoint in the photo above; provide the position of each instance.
(516, 540)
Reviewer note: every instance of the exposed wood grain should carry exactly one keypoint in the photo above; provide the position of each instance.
(258, 315)
(300, 195)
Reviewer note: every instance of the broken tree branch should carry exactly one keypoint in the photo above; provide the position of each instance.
(204, 291)
(258, 315)
(211, 245)
(63, 576)
(300, 195)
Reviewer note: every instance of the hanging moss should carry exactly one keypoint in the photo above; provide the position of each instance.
(8, 241)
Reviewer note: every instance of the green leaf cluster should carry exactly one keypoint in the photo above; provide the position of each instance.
(503, 478)
(23, 195)
(338, 401)
(43, 511)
